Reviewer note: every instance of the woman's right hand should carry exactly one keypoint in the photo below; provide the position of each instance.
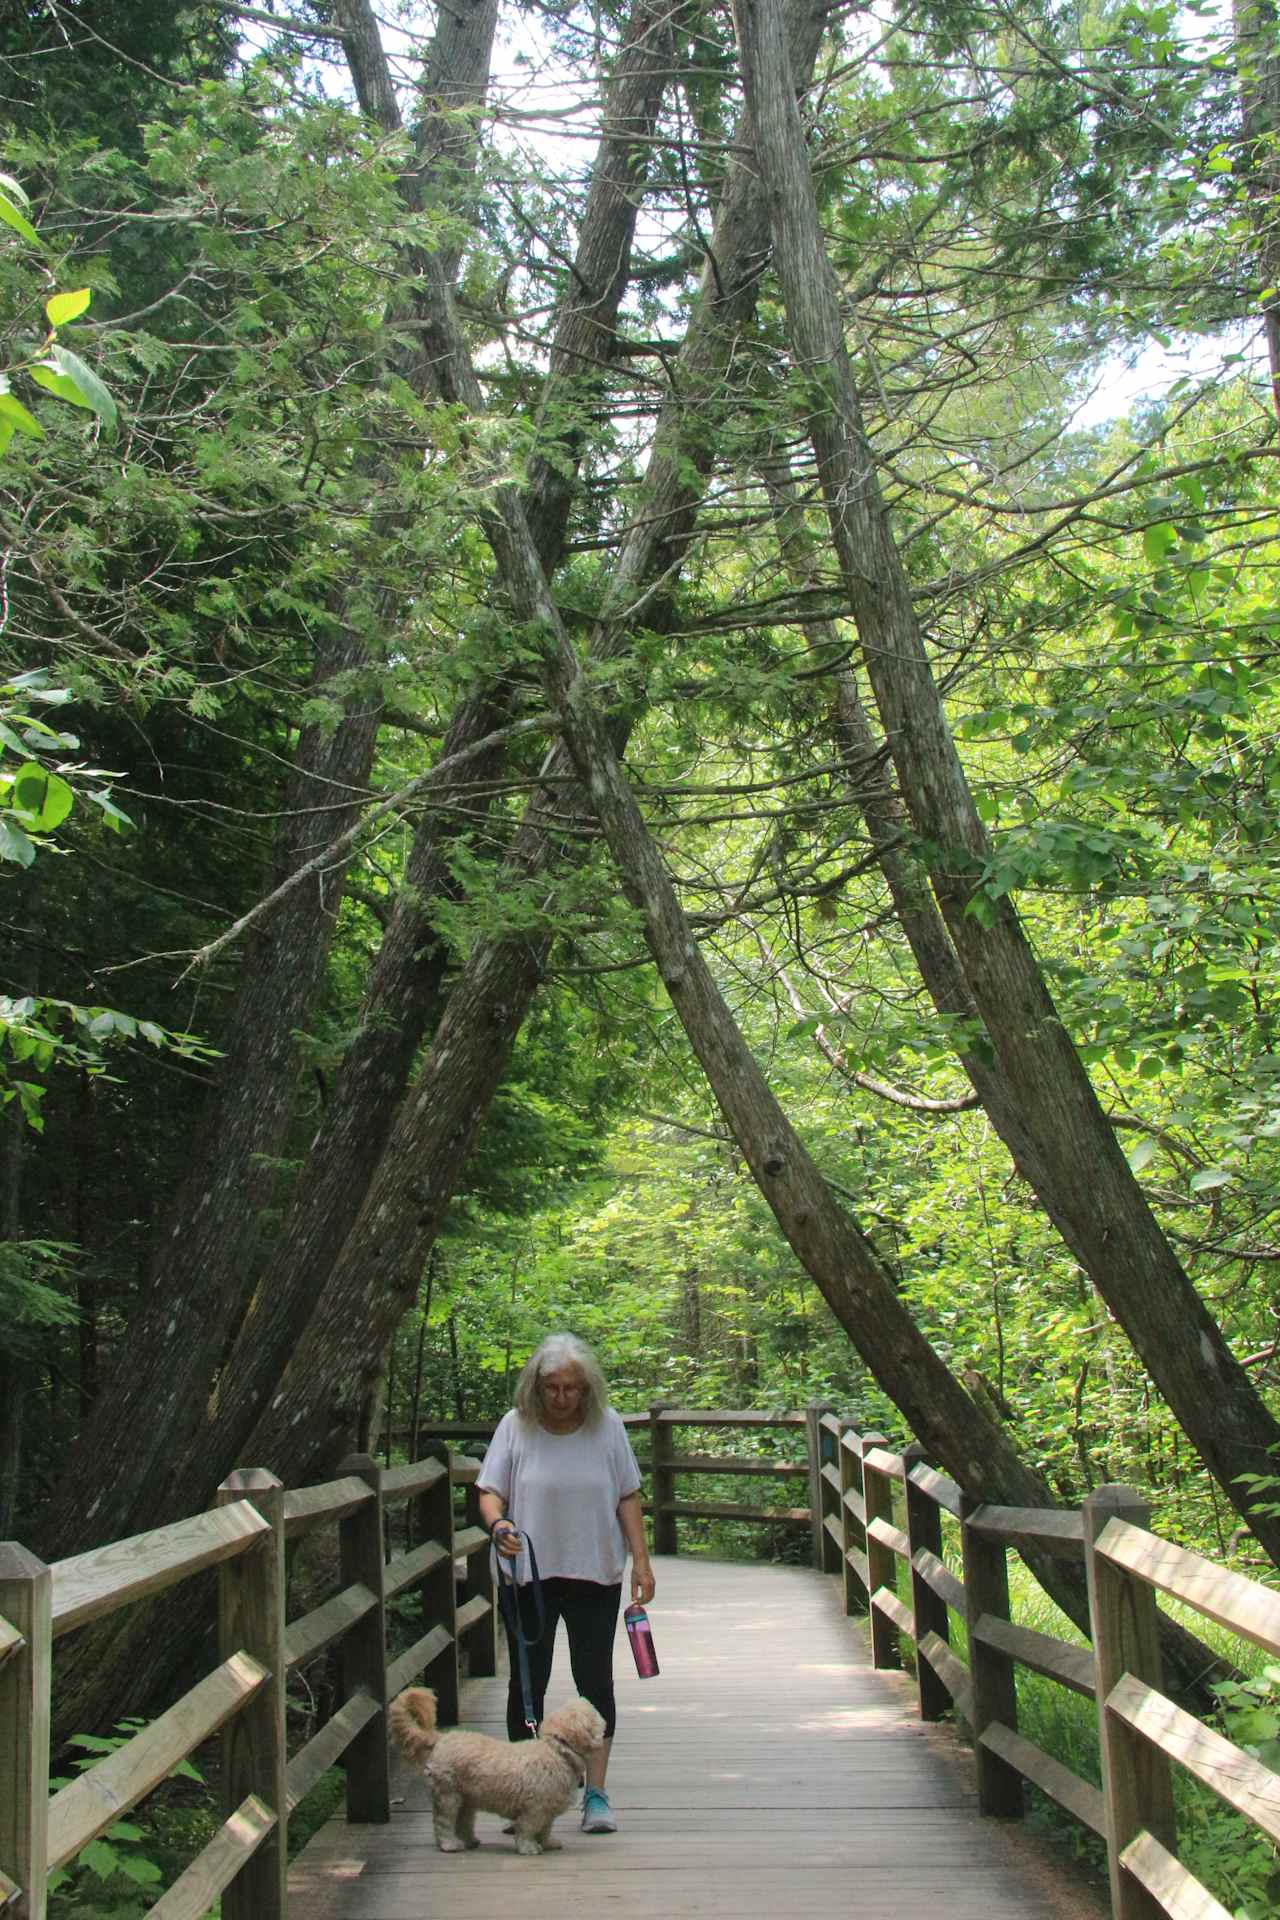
(506, 1539)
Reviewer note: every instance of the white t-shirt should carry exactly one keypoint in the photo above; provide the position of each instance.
(563, 1489)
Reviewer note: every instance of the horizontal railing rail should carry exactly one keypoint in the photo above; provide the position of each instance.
(244, 1539)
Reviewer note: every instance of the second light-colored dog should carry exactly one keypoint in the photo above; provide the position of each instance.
(529, 1782)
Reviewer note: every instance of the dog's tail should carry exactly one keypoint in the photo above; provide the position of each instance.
(413, 1721)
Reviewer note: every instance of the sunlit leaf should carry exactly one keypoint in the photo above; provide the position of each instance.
(65, 307)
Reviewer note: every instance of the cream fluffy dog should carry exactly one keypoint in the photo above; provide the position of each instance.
(528, 1782)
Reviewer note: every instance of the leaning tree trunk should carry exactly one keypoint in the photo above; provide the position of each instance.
(153, 1391)
(118, 1475)
(963, 1437)
(103, 1680)
(1083, 1178)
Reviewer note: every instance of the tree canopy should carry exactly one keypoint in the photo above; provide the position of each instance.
(625, 739)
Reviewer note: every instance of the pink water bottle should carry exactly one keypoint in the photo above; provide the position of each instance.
(637, 1624)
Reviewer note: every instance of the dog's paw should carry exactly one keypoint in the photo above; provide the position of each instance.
(452, 1845)
(526, 1845)
(553, 1846)
(472, 1843)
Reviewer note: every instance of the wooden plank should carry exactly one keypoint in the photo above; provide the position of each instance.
(363, 1651)
(831, 1423)
(411, 1662)
(738, 1464)
(399, 1483)
(314, 1631)
(216, 1865)
(951, 1670)
(308, 1507)
(1168, 1882)
(477, 1608)
(943, 1492)
(1077, 1796)
(323, 1748)
(1055, 1531)
(895, 1610)
(85, 1808)
(890, 1464)
(464, 1472)
(890, 1536)
(96, 1582)
(858, 1561)
(11, 1640)
(406, 1568)
(1244, 1783)
(469, 1540)
(1055, 1659)
(832, 1527)
(856, 1504)
(1242, 1605)
(695, 1417)
(831, 1475)
(713, 1510)
(936, 1574)
(9, 1891)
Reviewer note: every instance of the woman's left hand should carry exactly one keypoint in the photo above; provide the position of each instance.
(642, 1583)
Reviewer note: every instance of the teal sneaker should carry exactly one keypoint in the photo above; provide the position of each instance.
(597, 1815)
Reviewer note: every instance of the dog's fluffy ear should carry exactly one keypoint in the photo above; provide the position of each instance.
(412, 1716)
(579, 1725)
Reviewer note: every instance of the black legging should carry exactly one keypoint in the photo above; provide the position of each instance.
(590, 1615)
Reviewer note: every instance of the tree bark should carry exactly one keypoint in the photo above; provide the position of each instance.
(1084, 1178)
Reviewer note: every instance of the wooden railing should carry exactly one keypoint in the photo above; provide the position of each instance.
(866, 1489)
(875, 1518)
(244, 1539)
(664, 1466)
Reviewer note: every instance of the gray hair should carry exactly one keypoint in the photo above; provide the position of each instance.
(562, 1350)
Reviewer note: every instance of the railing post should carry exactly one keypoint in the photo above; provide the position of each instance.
(364, 1648)
(251, 1615)
(438, 1592)
(929, 1609)
(1136, 1787)
(26, 1603)
(482, 1638)
(852, 1531)
(663, 1480)
(826, 1556)
(882, 1562)
(991, 1673)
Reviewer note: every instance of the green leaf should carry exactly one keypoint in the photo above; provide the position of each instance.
(43, 798)
(803, 1028)
(144, 1873)
(15, 845)
(95, 394)
(116, 818)
(99, 1858)
(15, 414)
(1142, 1156)
(1158, 540)
(46, 375)
(18, 221)
(65, 307)
(1209, 1177)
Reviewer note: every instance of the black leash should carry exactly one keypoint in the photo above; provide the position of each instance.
(509, 1607)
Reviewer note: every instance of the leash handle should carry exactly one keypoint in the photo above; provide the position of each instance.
(509, 1606)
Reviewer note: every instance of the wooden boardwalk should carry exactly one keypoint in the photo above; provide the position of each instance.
(767, 1771)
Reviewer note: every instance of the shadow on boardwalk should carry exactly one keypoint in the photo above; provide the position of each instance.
(767, 1771)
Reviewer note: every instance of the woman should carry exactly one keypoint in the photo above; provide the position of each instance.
(561, 1470)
